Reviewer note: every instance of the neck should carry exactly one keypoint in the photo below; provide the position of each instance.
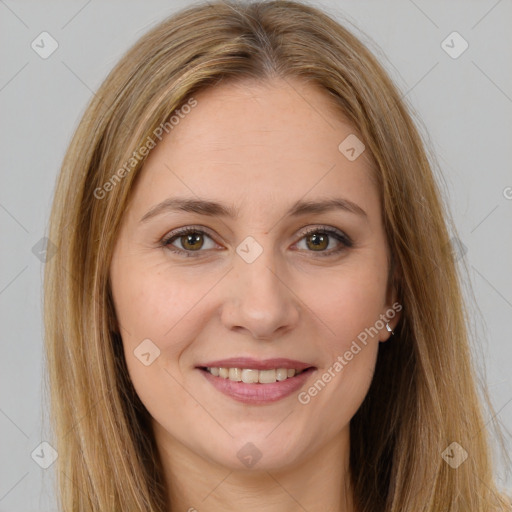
(320, 482)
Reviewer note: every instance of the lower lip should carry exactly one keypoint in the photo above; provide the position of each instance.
(258, 394)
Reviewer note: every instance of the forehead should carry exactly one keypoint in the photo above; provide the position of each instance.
(258, 142)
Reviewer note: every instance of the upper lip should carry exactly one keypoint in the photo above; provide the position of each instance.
(256, 364)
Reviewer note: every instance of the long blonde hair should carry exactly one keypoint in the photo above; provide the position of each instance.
(423, 396)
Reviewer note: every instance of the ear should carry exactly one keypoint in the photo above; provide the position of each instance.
(113, 324)
(393, 308)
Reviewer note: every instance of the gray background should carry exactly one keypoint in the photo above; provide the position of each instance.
(465, 105)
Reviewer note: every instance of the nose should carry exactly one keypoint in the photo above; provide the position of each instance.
(258, 299)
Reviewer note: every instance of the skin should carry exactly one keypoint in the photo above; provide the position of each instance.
(257, 147)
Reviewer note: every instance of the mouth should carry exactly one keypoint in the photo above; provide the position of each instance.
(254, 376)
(257, 382)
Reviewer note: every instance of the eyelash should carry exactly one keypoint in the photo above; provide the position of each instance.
(345, 241)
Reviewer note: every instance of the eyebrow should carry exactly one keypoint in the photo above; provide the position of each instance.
(215, 209)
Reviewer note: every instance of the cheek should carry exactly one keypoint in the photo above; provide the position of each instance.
(166, 308)
(157, 317)
(151, 304)
(349, 302)
(341, 384)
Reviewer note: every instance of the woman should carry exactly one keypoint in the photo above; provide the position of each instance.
(255, 303)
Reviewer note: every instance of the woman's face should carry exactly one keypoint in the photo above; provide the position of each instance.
(285, 268)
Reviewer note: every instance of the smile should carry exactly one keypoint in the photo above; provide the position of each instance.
(252, 376)
(257, 382)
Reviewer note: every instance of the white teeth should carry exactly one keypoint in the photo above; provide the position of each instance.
(235, 374)
(267, 376)
(250, 376)
(281, 374)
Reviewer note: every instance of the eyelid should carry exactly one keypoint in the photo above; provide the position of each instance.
(340, 236)
(330, 230)
(175, 233)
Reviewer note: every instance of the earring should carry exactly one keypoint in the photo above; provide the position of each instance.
(389, 329)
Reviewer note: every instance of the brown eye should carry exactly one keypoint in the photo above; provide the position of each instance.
(317, 241)
(325, 241)
(188, 241)
(192, 241)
